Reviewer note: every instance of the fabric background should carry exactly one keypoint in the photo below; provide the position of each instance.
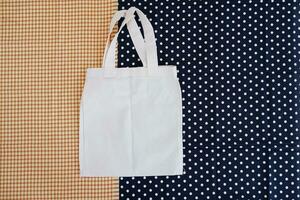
(239, 70)
(45, 48)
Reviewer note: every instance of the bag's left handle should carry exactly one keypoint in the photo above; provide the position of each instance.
(150, 44)
(135, 34)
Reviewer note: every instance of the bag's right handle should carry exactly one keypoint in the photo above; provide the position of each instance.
(150, 43)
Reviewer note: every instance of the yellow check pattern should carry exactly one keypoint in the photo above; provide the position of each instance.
(45, 49)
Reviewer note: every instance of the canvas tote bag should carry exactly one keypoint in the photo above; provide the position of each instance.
(131, 118)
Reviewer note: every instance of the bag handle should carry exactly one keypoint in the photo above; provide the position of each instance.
(149, 46)
(134, 32)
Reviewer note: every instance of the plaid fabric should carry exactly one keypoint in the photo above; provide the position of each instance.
(45, 49)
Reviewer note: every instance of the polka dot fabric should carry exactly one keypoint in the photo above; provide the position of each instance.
(238, 65)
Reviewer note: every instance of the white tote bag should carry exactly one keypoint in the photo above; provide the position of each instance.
(131, 118)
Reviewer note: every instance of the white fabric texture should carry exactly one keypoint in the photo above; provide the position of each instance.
(131, 118)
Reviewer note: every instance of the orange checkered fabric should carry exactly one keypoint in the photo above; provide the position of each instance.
(45, 49)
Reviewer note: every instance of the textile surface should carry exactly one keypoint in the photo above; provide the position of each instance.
(45, 49)
(239, 71)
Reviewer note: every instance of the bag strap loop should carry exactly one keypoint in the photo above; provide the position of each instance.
(134, 32)
(149, 46)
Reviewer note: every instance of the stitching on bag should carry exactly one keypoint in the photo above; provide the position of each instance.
(131, 129)
(180, 136)
(83, 168)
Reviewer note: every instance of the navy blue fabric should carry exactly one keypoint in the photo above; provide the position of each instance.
(238, 66)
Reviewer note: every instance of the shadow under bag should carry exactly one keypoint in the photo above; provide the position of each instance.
(131, 118)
